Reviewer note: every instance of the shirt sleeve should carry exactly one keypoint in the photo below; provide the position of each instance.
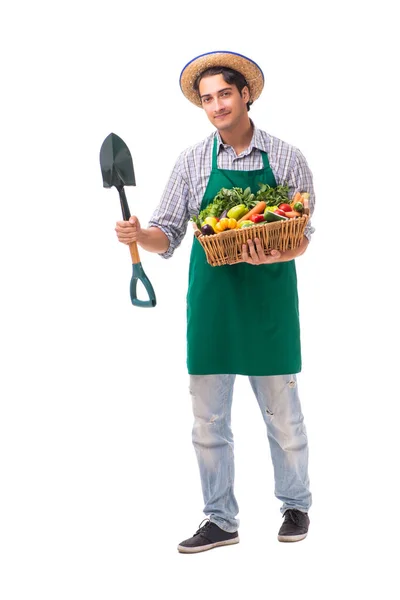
(172, 214)
(301, 180)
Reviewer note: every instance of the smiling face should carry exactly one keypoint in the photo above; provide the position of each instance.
(224, 104)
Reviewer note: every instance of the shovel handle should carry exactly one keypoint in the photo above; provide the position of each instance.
(139, 275)
(137, 270)
(134, 253)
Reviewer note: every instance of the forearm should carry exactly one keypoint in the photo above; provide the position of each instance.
(153, 240)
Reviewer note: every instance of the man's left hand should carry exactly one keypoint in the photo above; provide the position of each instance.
(253, 253)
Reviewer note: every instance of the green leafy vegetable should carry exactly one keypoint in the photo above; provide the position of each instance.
(226, 199)
(272, 196)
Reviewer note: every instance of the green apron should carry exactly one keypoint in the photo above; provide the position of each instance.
(241, 319)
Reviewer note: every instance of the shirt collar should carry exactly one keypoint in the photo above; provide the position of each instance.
(257, 141)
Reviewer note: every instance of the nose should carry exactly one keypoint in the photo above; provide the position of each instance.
(218, 104)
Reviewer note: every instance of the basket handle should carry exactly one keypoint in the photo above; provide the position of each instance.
(196, 230)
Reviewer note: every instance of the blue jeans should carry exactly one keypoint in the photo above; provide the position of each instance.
(212, 437)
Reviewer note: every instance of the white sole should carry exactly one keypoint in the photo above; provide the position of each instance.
(291, 538)
(185, 550)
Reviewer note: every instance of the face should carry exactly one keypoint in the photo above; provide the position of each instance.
(223, 103)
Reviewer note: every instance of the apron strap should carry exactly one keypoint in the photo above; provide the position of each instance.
(214, 155)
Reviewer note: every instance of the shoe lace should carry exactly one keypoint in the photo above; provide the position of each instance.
(203, 528)
(293, 515)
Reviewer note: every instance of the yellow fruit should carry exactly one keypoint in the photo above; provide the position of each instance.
(232, 224)
(224, 222)
(210, 221)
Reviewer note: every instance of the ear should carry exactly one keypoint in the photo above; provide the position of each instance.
(245, 94)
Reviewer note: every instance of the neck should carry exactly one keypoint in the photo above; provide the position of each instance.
(239, 137)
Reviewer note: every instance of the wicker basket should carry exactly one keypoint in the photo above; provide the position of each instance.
(225, 248)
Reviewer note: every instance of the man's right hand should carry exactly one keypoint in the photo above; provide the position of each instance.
(128, 231)
(151, 239)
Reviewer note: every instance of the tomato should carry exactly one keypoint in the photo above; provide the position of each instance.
(257, 218)
(278, 211)
(285, 207)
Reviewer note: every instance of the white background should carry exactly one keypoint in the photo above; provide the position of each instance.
(99, 481)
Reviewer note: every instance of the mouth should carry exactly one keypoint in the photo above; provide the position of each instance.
(221, 116)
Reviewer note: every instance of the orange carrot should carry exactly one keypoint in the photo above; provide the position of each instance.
(298, 198)
(293, 213)
(259, 208)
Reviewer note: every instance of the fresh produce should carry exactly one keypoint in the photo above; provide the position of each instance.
(222, 224)
(224, 201)
(272, 196)
(232, 208)
(257, 218)
(210, 221)
(225, 223)
(237, 212)
(207, 230)
(232, 224)
(298, 206)
(270, 217)
(244, 224)
(258, 208)
(296, 198)
(292, 214)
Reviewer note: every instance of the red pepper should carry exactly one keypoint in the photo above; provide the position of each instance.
(257, 218)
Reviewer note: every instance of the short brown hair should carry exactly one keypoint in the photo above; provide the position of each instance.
(230, 76)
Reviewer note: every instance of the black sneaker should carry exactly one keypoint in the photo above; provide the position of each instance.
(295, 526)
(206, 537)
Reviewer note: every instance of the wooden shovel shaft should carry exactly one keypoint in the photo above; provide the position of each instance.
(134, 253)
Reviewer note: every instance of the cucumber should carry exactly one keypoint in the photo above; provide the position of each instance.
(270, 217)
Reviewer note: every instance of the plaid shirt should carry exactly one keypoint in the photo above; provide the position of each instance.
(185, 189)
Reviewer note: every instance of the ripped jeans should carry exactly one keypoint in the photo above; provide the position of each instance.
(212, 437)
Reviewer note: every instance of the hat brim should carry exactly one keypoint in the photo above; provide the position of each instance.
(221, 58)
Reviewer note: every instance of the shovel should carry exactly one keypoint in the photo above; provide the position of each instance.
(117, 170)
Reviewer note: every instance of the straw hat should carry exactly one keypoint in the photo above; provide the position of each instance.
(221, 58)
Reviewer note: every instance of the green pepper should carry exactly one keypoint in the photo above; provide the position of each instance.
(237, 212)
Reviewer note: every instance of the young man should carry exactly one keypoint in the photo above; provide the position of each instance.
(237, 154)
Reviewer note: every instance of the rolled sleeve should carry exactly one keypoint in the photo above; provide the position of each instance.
(301, 180)
(172, 214)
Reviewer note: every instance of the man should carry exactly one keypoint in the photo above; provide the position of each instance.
(237, 154)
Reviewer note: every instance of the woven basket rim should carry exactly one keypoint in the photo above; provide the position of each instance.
(222, 248)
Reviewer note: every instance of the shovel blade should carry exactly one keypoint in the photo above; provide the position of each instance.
(116, 163)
